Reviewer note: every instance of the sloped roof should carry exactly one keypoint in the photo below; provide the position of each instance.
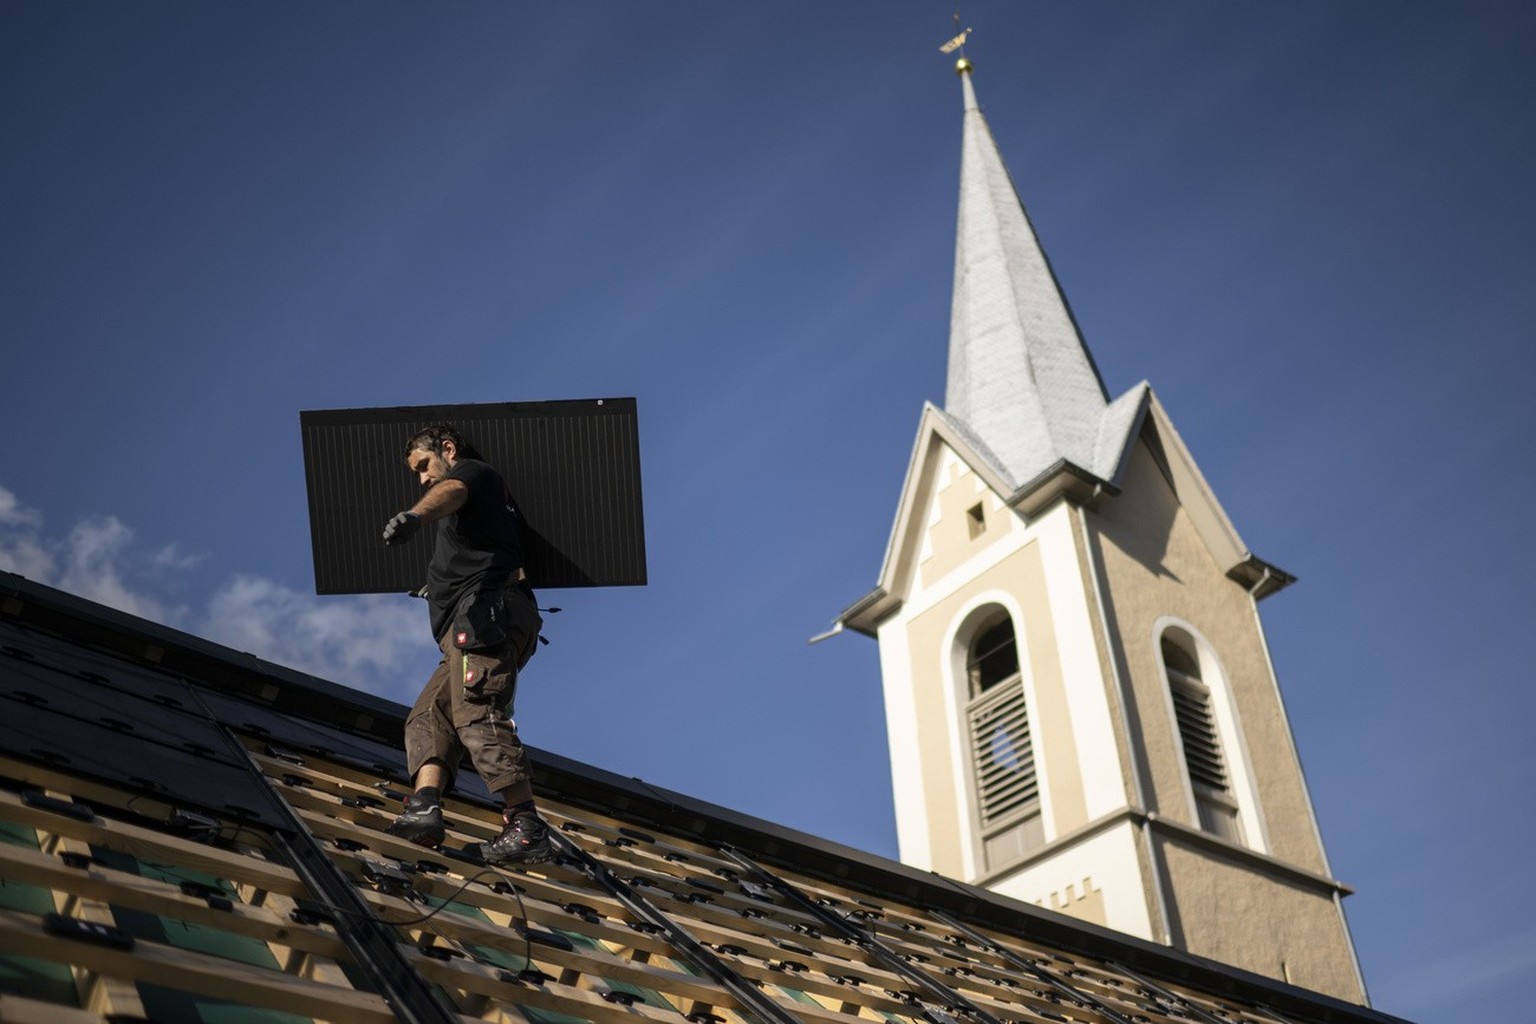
(190, 783)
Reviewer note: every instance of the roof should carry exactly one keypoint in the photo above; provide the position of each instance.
(213, 825)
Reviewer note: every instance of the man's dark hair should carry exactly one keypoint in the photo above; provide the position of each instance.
(432, 436)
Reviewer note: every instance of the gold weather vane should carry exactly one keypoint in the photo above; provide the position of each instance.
(958, 43)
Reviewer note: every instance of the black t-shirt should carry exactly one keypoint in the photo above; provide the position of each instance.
(477, 548)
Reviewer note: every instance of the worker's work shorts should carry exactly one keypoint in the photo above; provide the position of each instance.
(467, 705)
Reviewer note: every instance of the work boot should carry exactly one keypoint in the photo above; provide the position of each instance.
(525, 840)
(421, 822)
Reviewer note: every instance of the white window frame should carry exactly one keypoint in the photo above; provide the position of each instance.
(1224, 714)
(967, 624)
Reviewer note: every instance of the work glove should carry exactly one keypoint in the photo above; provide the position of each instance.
(401, 528)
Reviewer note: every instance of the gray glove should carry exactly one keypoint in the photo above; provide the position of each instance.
(401, 528)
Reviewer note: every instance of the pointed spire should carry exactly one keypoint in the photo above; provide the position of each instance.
(1020, 378)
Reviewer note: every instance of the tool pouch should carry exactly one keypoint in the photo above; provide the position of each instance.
(491, 618)
(481, 621)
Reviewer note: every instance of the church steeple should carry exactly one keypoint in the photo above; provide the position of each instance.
(1020, 378)
(1080, 706)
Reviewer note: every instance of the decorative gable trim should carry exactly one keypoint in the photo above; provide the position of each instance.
(901, 551)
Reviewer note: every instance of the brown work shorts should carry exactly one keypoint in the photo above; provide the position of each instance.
(466, 707)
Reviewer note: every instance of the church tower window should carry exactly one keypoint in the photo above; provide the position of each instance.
(1002, 750)
(1215, 802)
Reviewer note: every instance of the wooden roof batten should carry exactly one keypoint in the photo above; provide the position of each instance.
(645, 887)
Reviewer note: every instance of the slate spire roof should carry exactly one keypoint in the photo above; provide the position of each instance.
(1021, 380)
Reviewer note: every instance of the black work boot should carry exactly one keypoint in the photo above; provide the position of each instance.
(525, 840)
(421, 822)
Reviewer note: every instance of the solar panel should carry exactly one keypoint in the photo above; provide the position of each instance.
(573, 468)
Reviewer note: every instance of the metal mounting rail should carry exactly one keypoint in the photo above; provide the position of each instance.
(863, 938)
(1049, 977)
(753, 1002)
(374, 945)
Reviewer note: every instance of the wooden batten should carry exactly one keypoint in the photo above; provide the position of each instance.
(635, 921)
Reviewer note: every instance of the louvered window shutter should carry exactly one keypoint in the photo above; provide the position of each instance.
(1003, 753)
(1214, 800)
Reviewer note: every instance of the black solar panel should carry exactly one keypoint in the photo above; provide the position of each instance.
(573, 467)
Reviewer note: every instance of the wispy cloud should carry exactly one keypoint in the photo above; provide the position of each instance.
(21, 548)
(174, 558)
(14, 514)
(363, 641)
(93, 563)
(375, 643)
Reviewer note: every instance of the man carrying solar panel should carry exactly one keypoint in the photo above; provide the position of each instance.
(487, 625)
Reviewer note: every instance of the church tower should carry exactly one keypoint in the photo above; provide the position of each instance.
(1081, 708)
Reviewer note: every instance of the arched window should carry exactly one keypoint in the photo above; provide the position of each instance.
(1002, 751)
(1209, 777)
(993, 657)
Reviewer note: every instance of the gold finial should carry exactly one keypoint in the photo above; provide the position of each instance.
(963, 66)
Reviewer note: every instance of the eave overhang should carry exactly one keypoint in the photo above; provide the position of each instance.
(1259, 577)
(1064, 480)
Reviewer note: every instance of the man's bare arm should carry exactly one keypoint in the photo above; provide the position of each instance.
(443, 498)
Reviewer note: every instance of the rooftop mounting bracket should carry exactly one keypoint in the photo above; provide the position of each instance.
(1049, 977)
(864, 938)
(754, 1002)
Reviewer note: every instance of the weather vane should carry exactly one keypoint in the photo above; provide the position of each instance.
(958, 43)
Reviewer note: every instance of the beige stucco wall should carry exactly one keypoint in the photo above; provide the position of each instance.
(1022, 576)
(1236, 909)
(936, 692)
(1268, 925)
(1156, 566)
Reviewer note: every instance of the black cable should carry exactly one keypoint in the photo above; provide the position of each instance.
(449, 899)
(524, 926)
(522, 910)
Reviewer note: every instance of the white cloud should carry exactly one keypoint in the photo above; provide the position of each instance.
(91, 561)
(21, 550)
(93, 556)
(172, 557)
(373, 642)
(13, 513)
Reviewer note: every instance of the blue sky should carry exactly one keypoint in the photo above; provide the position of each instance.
(1307, 224)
